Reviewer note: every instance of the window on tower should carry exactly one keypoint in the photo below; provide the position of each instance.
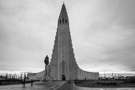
(66, 21)
(63, 20)
(60, 21)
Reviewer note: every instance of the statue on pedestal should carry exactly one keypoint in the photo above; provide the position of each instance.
(46, 61)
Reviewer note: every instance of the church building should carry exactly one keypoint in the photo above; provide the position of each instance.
(63, 65)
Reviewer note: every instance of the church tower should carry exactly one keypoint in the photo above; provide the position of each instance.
(63, 61)
(63, 65)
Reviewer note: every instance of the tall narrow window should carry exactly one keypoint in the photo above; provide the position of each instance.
(63, 20)
(60, 21)
(66, 21)
(63, 67)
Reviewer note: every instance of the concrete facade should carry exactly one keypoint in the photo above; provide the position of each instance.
(63, 65)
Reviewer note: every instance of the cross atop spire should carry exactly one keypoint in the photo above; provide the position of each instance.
(63, 17)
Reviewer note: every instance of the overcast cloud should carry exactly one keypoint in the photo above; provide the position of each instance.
(103, 33)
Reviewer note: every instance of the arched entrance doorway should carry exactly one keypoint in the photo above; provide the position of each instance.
(63, 77)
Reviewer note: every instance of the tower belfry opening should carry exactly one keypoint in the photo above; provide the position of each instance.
(63, 17)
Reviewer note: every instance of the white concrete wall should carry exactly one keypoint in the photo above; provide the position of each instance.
(36, 76)
(84, 75)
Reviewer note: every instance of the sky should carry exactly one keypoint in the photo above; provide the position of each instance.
(103, 34)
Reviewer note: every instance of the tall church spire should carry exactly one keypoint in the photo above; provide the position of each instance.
(63, 17)
(63, 65)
